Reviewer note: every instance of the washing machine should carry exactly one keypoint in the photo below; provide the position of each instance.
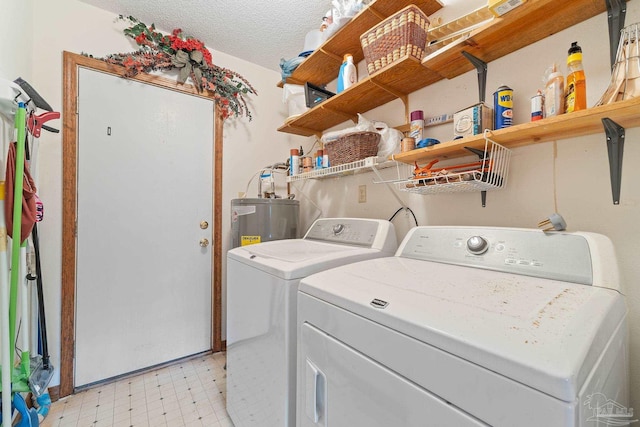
(262, 285)
(467, 327)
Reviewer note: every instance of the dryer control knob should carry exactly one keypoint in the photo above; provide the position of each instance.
(477, 245)
(338, 228)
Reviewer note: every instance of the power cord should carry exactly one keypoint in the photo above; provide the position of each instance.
(404, 208)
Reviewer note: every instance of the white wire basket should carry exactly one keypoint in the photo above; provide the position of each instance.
(489, 172)
(456, 30)
(343, 169)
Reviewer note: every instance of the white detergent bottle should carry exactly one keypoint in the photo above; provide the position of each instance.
(553, 92)
(348, 74)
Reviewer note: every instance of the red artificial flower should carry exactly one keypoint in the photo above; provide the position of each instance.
(141, 38)
(128, 62)
(207, 56)
(188, 45)
(158, 52)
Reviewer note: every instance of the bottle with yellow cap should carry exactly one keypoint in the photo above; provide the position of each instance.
(576, 87)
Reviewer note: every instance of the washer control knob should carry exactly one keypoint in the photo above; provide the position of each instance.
(477, 245)
(338, 228)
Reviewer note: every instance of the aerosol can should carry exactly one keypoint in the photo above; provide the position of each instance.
(503, 107)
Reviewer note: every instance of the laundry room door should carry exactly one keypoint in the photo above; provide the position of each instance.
(143, 287)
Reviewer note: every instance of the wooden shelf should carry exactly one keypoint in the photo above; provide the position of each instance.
(405, 76)
(526, 24)
(579, 123)
(531, 22)
(323, 64)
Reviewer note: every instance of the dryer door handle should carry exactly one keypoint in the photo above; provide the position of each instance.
(315, 394)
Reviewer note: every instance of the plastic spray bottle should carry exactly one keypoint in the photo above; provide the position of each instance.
(553, 92)
(576, 98)
(348, 74)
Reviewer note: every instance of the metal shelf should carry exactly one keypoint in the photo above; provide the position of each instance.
(454, 183)
(489, 173)
(340, 170)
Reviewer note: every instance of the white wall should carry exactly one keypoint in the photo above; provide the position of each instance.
(568, 176)
(77, 27)
(16, 43)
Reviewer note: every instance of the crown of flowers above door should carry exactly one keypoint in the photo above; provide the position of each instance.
(190, 56)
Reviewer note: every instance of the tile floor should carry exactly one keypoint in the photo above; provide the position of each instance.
(190, 393)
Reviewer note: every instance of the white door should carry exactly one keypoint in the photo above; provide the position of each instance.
(143, 292)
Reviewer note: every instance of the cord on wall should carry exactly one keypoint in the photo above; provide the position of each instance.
(407, 209)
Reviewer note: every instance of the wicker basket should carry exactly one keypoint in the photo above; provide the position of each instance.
(404, 33)
(352, 146)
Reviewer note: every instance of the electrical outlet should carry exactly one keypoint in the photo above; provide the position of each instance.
(438, 120)
(362, 194)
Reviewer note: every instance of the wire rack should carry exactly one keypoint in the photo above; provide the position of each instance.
(441, 36)
(343, 169)
(490, 172)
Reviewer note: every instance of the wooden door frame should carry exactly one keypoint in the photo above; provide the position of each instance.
(71, 64)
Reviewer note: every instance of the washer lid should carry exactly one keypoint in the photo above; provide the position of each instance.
(296, 258)
(297, 251)
(544, 333)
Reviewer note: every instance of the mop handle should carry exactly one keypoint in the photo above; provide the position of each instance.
(20, 123)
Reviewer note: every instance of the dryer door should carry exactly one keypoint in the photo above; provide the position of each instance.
(341, 387)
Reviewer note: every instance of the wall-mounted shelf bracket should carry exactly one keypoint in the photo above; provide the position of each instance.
(389, 187)
(402, 96)
(308, 130)
(352, 117)
(481, 66)
(332, 55)
(616, 11)
(615, 149)
(379, 15)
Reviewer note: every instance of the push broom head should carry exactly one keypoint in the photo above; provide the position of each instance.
(40, 376)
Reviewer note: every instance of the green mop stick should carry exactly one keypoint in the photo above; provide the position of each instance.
(20, 123)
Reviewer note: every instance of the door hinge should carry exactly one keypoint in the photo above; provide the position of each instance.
(75, 229)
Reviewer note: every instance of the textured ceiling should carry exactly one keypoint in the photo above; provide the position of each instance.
(259, 31)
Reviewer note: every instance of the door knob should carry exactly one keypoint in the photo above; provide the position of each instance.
(204, 225)
(204, 242)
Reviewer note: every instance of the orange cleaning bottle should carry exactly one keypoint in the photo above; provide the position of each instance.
(576, 87)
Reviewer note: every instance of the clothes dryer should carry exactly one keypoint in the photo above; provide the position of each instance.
(467, 327)
(262, 285)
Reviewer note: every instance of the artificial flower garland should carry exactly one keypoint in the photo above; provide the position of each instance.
(193, 60)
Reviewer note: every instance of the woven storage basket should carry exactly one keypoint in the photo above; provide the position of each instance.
(352, 146)
(404, 33)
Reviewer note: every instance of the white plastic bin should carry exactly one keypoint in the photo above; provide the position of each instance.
(293, 96)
